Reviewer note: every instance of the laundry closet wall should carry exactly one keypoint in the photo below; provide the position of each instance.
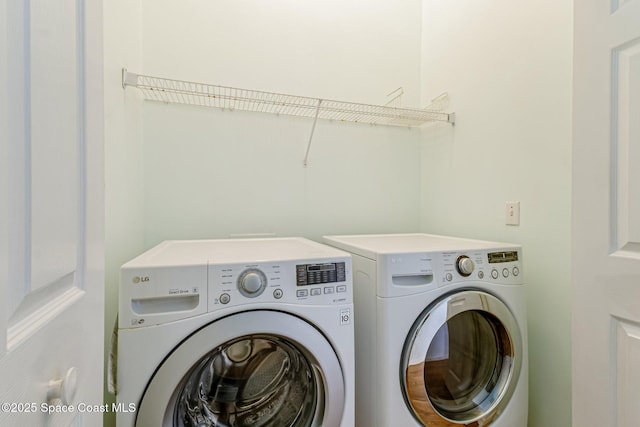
(124, 225)
(507, 66)
(211, 173)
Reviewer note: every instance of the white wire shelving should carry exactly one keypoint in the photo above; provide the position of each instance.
(231, 98)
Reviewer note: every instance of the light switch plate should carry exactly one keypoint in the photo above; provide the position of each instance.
(512, 213)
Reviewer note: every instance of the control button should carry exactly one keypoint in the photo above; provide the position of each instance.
(302, 293)
(225, 298)
(252, 282)
(505, 273)
(328, 290)
(341, 288)
(277, 293)
(494, 273)
(316, 291)
(341, 274)
(464, 265)
(448, 277)
(480, 274)
(516, 271)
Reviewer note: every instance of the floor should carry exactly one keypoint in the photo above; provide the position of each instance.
(421, 403)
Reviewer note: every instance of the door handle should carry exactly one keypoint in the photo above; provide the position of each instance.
(63, 389)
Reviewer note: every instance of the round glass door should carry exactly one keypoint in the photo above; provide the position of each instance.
(252, 369)
(461, 360)
(257, 380)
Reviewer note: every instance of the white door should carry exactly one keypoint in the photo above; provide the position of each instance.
(606, 213)
(51, 220)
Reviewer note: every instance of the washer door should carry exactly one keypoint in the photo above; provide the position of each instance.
(256, 368)
(461, 360)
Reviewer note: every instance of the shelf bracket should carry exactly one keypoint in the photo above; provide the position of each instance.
(313, 128)
(129, 79)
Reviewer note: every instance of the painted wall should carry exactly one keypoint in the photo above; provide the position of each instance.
(351, 50)
(124, 228)
(507, 68)
(219, 174)
(212, 174)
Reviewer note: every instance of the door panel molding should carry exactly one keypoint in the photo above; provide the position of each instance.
(625, 150)
(41, 307)
(626, 345)
(617, 4)
(48, 190)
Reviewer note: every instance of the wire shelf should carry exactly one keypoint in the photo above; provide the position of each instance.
(230, 98)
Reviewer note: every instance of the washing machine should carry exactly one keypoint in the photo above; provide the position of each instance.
(441, 336)
(236, 332)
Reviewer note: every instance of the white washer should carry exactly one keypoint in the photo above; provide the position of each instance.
(236, 333)
(441, 336)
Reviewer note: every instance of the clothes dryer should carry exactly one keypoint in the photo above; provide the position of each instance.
(252, 332)
(441, 336)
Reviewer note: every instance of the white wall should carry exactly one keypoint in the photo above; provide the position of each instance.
(210, 173)
(507, 68)
(352, 50)
(214, 174)
(124, 228)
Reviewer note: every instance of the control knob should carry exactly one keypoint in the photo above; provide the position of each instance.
(252, 282)
(464, 265)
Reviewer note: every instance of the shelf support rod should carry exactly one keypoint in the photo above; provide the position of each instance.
(313, 128)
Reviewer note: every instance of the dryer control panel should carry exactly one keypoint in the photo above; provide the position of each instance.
(503, 266)
(412, 273)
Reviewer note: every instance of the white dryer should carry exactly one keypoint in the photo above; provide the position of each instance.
(441, 337)
(252, 332)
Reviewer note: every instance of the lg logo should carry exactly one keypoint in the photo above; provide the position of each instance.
(140, 279)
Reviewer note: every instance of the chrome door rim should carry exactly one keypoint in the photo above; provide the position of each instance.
(159, 399)
(422, 334)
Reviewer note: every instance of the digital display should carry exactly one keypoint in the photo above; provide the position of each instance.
(509, 256)
(321, 267)
(314, 274)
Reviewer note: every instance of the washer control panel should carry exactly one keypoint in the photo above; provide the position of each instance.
(179, 279)
(314, 282)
